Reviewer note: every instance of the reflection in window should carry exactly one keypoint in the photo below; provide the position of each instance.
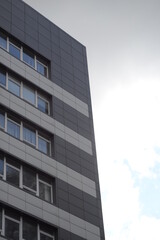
(42, 105)
(2, 120)
(29, 94)
(43, 145)
(29, 179)
(29, 230)
(2, 79)
(14, 87)
(29, 136)
(45, 191)
(44, 236)
(12, 175)
(41, 69)
(3, 41)
(28, 57)
(14, 50)
(11, 229)
(13, 128)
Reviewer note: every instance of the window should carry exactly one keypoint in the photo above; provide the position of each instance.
(28, 57)
(14, 50)
(29, 230)
(12, 228)
(29, 180)
(41, 68)
(2, 79)
(43, 105)
(43, 145)
(2, 120)
(3, 40)
(14, 87)
(29, 136)
(45, 191)
(12, 172)
(29, 94)
(13, 128)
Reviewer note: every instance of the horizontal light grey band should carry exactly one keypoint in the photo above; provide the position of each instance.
(43, 120)
(49, 213)
(39, 160)
(40, 81)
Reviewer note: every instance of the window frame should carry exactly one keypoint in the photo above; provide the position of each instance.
(47, 140)
(45, 100)
(15, 46)
(1, 33)
(51, 189)
(13, 220)
(16, 82)
(42, 64)
(9, 119)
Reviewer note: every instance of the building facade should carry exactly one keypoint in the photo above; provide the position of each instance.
(49, 187)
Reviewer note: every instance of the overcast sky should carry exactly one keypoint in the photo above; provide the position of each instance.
(123, 47)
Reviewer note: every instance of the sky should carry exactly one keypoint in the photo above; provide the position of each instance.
(123, 48)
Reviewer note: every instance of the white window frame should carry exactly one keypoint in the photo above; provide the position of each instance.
(47, 234)
(40, 136)
(51, 188)
(16, 82)
(10, 165)
(24, 140)
(29, 189)
(19, 48)
(14, 220)
(6, 42)
(15, 124)
(3, 128)
(43, 66)
(45, 100)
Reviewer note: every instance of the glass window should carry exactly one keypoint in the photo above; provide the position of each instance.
(29, 136)
(42, 69)
(3, 40)
(29, 94)
(44, 236)
(13, 128)
(2, 120)
(1, 165)
(43, 145)
(2, 79)
(11, 229)
(29, 230)
(45, 191)
(14, 87)
(12, 175)
(14, 50)
(42, 105)
(28, 57)
(29, 179)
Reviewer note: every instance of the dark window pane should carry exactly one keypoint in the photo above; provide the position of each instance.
(0, 219)
(13, 87)
(29, 136)
(12, 175)
(2, 79)
(29, 94)
(1, 165)
(29, 178)
(29, 230)
(13, 129)
(42, 105)
(11, 230)
(41, 69)
(28, 57)
(3, 40)
(43, 145)
(2, 120)
(45, 237)
(45, 191)
(14, 51)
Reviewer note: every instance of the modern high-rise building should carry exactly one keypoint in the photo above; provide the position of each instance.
(49, 187)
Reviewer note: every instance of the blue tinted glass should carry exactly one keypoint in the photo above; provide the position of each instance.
(41, 69)
(3, 41)
(1, 165)
(13, 129)
(2, 79)
(43, 145)
(14, 51)
(42, 105)
(29, 94)
(29, 136)
(13, 87)
(28, 59)
(2, 120)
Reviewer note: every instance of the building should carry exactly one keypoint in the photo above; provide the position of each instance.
(49, 186)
